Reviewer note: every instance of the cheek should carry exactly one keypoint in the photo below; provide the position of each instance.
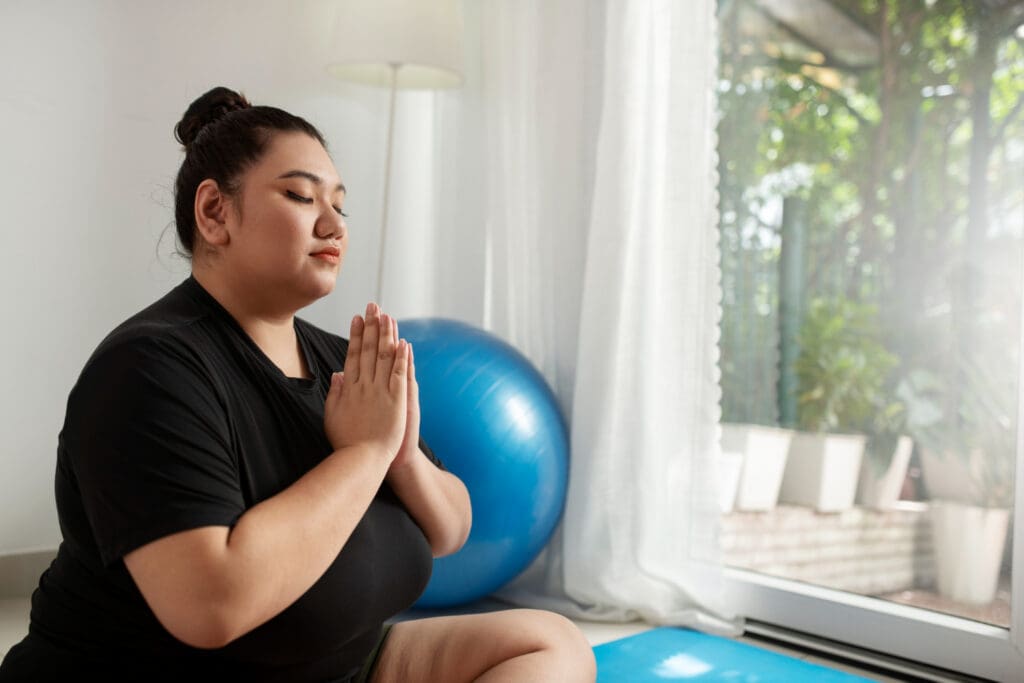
(288, 233)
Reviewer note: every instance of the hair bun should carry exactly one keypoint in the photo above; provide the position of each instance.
(207, 108)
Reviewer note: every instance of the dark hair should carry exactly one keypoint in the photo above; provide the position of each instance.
(223, 136)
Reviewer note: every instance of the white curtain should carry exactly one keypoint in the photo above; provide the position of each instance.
(577, 165)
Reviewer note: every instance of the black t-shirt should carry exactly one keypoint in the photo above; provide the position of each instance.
(179, 421)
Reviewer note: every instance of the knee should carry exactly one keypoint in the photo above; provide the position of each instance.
(567, 644)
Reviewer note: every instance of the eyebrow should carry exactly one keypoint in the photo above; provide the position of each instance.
(312, 177)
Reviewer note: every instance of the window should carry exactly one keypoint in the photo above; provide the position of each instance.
(872, 233)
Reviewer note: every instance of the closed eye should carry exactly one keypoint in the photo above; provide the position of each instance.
(309, 200)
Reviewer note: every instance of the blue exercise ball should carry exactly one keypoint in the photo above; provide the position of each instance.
(493, 421)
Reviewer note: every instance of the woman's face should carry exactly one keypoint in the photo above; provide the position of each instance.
(287, 234)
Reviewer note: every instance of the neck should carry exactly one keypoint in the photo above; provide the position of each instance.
(271, 328)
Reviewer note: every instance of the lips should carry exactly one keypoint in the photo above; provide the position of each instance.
(329, 254)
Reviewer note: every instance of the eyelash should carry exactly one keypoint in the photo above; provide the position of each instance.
(307, 200)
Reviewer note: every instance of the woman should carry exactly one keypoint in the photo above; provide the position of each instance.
(243, 496)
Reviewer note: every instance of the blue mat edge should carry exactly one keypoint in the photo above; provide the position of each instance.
(624, 656)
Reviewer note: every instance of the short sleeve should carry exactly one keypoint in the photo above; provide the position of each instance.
(149, 444)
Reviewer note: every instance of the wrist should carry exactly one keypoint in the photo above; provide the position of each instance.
(406, 462)
(370, 450)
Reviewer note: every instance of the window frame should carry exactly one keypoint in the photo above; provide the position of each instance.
(920, 635)
(913, 633)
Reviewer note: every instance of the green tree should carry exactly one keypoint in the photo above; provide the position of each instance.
(909, 158)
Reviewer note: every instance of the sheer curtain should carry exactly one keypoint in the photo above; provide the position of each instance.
(576, 218)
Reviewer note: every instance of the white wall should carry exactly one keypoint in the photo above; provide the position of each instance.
(89, 95)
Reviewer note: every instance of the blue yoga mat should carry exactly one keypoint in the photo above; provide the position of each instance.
(666, 654)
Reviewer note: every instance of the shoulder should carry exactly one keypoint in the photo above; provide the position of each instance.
(145, 384)
(169, 317)
(141, 342)
(138, 378)
(167, 340)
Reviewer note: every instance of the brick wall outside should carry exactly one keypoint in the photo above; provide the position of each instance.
(864, 551)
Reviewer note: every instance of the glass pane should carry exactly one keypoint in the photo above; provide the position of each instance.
(872, 217)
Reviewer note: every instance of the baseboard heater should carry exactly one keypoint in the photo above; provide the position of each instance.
(878, 662)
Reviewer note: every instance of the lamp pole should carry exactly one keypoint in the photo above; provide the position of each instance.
(396, 44)
(394, 66)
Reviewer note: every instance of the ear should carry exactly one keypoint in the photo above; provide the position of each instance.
(212, 209)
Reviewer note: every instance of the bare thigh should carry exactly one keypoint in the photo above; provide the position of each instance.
(534, 644)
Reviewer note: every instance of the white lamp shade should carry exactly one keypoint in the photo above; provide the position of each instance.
(423, 38)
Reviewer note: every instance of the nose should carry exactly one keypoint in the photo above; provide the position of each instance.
(330, 225)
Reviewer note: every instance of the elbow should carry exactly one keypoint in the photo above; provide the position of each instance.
(455, 535)
(204, 626)
(205, 632)
(442, 547)
(190, 587)
(204, 639)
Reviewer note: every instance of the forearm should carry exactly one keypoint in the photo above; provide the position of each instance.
(437, 500)
(280, 547)
(210, 586)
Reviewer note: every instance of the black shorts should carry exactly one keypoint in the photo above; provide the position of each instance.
(23, 662)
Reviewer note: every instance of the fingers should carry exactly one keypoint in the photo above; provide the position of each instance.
(400, 369)
(368, 401)
(387, 347)
(334, 390)
(355, 345)
(333, 393)
(372, 347)
(411, 371)
(368, 352)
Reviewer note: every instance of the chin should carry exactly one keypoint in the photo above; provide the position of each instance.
(324, 286)
(306, 287)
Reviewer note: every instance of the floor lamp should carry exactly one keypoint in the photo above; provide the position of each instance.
(415, 44)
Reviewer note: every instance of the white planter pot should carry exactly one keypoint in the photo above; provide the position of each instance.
(822, 470)
(969, 544)
(951, 476)
(730, 466)
(881, 490)
(764, 451)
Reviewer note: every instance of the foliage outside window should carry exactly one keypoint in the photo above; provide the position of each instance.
(871, 180)
(904, 164)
